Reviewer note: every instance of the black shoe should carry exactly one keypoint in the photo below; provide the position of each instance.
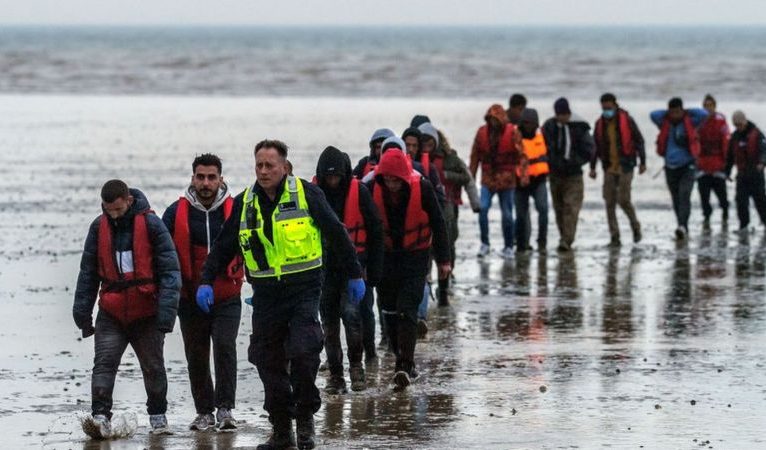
(401, 380)
(282, 436)
(304, 428)
(725, 216)
(422, 328)
(541, 246)
(358, 382)
(443, 295)
(615, 243)
(336, 385)
(637, 236)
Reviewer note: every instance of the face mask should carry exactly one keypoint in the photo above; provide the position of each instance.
(608, 113)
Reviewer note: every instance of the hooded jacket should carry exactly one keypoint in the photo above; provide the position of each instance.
(581, 145)
(334, 162)
(365, 164)
(747, 149)
(167, 274)
(499, 154)
(398, 262)
(204, 226)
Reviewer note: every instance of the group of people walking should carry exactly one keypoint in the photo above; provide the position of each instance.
(316, 252)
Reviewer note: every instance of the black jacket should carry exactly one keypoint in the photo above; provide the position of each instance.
(581, 146)
(226, 245)
(334, 162)
(738, 143)
(627, 163)
(398, 263)
(167, 273)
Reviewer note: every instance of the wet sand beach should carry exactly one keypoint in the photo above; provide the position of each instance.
(657, 344)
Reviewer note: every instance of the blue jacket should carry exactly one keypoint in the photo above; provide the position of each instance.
(677, 154)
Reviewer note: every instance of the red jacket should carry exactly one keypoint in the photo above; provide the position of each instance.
(714, 143)
(498, 169)
(192, 258)
(127, 296)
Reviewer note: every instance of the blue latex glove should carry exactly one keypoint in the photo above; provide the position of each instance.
(356, 290)
(205, 297)
(249, 301)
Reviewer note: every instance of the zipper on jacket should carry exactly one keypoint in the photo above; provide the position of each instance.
(207, 228)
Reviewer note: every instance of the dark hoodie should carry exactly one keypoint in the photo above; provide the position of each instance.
(399, 263)
(334, 162)
(167, 273)
(738, 143)
(581, 146)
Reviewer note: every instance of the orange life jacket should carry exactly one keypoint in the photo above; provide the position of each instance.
(417, 226)
(691, 135)
(132, 295)
(537, 156)
(192, 258)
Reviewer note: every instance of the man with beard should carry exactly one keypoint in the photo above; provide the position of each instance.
(195, 220)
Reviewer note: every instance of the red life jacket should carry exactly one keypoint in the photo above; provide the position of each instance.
(132, 295)
(714, 143)
(505, 159)
(691, 135)
(192, 258)
(750, 157)
(368, 167)
(353, 219)
(417, 226)
(452, 190)
(425, 161)
(625, 136)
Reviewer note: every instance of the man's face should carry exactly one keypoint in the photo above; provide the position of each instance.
(514, 112)
(376, 147)
(740, 125)
(709, 106)
(206, 181)
(412, 144)
(494, 123)
(528, 127)
(429, 145)
(117, 208)
(270, 168)
(393, 184)
(564, 118)
(675, 115)
(608, 105)
(332, 181)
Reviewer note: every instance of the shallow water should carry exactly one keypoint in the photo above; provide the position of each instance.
(653, 345)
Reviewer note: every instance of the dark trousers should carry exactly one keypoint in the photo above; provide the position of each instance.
(285, 346)
(537, 190)
(368, 322)
(198, 329)
(335, 306)
(399, 300)
(680, 184)
(750, 185)
(111, 340)
(707, 183)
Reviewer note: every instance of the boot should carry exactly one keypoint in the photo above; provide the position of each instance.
(304, 425)
(357, 379)
(282, 436)
(336, 385)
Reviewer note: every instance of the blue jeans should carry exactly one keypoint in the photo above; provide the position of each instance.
(506, 211)
(537, 190)
(423, 306)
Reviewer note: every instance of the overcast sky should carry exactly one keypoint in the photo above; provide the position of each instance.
(383, 12)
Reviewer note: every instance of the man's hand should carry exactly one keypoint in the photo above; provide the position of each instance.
(205, 297)
(592, 173)
(88, 331)
(356, 290)
(641, 169)
(759, 167)
(444, 270)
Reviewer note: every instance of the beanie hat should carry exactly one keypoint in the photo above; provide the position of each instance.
(530, 115)
(561, 106)
(419, 120)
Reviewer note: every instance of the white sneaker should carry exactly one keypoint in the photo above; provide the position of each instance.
(97, 427)
(507, 253)
(483, 251)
